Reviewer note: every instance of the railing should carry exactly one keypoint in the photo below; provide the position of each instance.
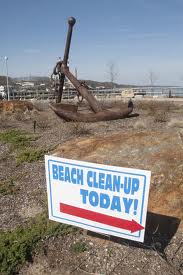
(103, 93)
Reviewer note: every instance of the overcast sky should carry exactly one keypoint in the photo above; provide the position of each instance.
(137, 35)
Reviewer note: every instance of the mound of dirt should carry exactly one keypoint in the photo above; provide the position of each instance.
(160, 152)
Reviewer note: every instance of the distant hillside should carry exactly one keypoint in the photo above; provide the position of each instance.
(91, 83)
(3, 80)
(35, 79)
(106, 85)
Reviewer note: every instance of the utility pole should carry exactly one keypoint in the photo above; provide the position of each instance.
(76, 73)
(7, 83)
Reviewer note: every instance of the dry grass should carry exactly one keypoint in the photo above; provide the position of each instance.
(19, 116)
(161, 116)
(43, 124)
(139, 125)
(40, 105)
(41, 119)
(151, 107)
(159, 110)
(78, 128)
(176, 123)
(3, 120)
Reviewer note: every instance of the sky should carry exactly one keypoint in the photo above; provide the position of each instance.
(140, 37)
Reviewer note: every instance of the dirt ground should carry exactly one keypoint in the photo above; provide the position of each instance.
(151, 140)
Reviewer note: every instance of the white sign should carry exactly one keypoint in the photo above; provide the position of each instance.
(106, 199)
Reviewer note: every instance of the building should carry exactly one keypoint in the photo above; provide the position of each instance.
(27, 84)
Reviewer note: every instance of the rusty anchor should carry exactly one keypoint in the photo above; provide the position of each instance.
(70, 112)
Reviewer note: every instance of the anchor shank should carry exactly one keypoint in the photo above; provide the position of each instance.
(94, 104)
(71, 22)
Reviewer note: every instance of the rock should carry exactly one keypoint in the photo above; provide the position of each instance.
(159, 152)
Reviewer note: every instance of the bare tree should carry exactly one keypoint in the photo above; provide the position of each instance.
(152, 79)
(112, 73)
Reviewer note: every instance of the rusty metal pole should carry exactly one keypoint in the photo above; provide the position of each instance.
(94, 104)
(71, 22)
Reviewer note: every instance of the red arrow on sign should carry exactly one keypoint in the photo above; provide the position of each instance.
(132, 225)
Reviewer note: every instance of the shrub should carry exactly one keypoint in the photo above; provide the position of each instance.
(16, 246)
(176, 123)
(161, 116)
(79, 128)
(42, 120)
(19, 116)
(43, 124)
(3, 121)
(140, 125)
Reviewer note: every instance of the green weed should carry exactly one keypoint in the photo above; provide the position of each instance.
(17, 246)
(110, 252)
(17, 138)
(79, 247)
(8, 187)
(30, 155)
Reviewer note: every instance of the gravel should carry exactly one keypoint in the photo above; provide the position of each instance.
(104, 254)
